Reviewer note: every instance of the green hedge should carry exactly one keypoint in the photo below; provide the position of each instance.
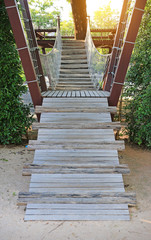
(15, 116)
(138, 85)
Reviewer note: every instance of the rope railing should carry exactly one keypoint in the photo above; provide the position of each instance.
(52, 60)
(97, 62)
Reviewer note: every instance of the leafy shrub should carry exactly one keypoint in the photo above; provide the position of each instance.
(15, 116)
(138, 87)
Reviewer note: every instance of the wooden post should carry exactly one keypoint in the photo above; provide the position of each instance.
(109, 78)
(127, 51)
(42, 78)
(23, 51)
(58, 22)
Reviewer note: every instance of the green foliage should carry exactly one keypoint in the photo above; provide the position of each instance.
(43, 13)
(105, 17)
(67, 27)
(138, 89)
(15, 116)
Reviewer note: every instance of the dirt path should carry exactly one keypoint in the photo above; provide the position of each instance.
(12, 226)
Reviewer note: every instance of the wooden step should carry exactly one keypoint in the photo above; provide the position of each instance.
(72, 66)
(75, 84)
(78, 86)
(77, 125)
(63, 169)
(87, 79)
(74, 57)
(76, 61)
(90, 109)
(35, 144)
(77, 212)
(71, 89)
(64, 82)
(73, 46)
(73, 51)
(73, 41)
(70, 71)
(74, 75)
(102, 198)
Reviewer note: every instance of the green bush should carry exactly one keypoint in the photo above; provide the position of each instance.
(15, 116)
(138, 85)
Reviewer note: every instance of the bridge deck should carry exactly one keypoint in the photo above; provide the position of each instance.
(76, 173)
(78, 94)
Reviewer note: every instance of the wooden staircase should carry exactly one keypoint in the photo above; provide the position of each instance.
(74, 72)
(76, 174)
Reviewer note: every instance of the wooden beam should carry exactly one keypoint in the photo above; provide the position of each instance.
(47, 169)
(23, 51)
(75, 144)
(102, 198)
(45, 30)
(85, 125)
(126, 52)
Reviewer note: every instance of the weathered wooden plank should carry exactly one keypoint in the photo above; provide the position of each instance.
(75, 140)
(58, 95)
(76, 105)
(69, 94)
(81, 66)
(77, 176)
(55, 93)
(73, 134)
(41, 109)
(102, 94)
(81, 152)
(77, 217)
(102, 198)
(57, 190)
(102, 167)
(33, 168)
(63, 95)
(56, 163)
(77, 119)
(119, 145)
(74, 94)
(84, 116)
(76, 100)
(79, 206)
(77, 125)
(75, 212)
(51, 170)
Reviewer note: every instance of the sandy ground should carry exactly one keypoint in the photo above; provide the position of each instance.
(13, 227)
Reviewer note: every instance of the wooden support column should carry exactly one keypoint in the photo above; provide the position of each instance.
(23, 51)
(109, 77)
(126, 52)
(42, 78)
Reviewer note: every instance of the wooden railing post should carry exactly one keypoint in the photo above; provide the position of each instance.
(58, 22)
(23, 51)
(126, 52)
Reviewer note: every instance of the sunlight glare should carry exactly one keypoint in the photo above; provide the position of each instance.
(94, 5)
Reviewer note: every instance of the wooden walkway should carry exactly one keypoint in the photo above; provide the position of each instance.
(76, 173)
